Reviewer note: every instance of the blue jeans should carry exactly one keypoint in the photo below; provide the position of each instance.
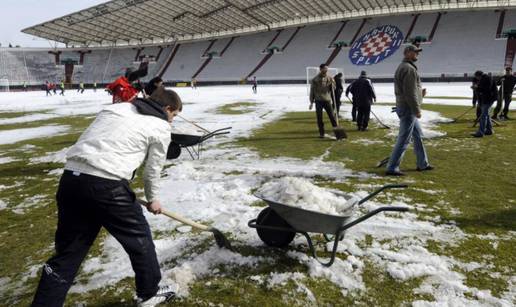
(485, 125)
(409, 129)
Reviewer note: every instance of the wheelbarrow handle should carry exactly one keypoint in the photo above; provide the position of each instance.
(370, 214)
(385, 187)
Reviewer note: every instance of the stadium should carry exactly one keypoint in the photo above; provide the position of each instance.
(260, 205)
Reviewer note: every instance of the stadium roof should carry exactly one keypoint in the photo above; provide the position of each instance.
(134, 22)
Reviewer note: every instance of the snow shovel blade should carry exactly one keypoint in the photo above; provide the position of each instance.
(220, 239)
(340, 133)
(383, 162)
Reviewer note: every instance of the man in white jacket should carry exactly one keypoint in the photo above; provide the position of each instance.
(94, 192)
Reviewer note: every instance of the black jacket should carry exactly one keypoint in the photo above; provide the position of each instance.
(487, 91)
(362, 91)
(338, 84)
(508, 84)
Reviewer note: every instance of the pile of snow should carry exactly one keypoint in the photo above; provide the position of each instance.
(300, 192)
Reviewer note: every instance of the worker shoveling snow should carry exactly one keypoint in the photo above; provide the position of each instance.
(300, 192)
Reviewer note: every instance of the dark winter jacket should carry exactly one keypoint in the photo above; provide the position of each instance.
(407, 87)
(338, 84)
(487, 91)
(362, 91)
(508, 84)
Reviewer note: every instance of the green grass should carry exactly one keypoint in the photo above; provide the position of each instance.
(475, 178)
(236, 108)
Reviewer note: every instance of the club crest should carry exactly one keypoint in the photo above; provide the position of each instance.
(376, 45)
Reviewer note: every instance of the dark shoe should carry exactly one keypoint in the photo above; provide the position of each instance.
(364, 129)
(428, 168)
(395, 173)
(495, 117)
(489, 133)
(477, 135)
(359, 128)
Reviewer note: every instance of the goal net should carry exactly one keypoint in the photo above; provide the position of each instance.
(311, 72)
(4, 85)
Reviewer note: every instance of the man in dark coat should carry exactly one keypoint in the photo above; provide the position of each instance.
(353, 103)
(475, 102)
(506, 83)
(363, 96)
(487, 94)
(339, 89)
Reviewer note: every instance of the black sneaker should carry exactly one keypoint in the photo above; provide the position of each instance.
(165, 294)
(477, 135)
(428, 168)
(489, 133)
(395, 173)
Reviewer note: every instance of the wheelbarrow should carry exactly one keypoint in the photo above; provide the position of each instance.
(278, 224)
(192, 143)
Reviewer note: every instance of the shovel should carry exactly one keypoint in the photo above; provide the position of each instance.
(340, 133)
(221, 240)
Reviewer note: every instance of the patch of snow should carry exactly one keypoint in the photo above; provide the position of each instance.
(3, 205)
(53, 157)
(27, 118)
(5, 160)
(18, 135)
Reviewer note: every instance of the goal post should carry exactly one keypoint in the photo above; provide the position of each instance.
(312, 71)
(4, 85)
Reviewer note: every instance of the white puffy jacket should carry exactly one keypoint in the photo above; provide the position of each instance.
(117, 143)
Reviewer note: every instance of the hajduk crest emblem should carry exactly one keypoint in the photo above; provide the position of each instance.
(376, 45)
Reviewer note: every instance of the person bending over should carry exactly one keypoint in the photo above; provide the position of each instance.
(94, 192)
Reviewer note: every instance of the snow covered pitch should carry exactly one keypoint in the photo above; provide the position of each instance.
(388, 253)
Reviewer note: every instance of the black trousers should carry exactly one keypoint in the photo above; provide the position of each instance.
(364, 111)
(85, 204)
(354, 112)
(338, 95)
(319, 106)
(508, 99)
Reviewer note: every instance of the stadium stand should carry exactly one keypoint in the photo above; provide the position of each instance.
(459, 45)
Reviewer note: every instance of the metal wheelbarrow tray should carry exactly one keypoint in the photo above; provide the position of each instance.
(278, 224)
(192, 143)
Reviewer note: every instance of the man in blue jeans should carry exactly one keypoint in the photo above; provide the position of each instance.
(487, 94)
(409, 96)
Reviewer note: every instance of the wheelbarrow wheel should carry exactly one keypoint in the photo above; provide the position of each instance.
(273, 237)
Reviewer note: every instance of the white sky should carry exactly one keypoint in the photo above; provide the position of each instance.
(16, 15)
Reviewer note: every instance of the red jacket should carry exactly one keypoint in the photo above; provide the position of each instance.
(122, 90)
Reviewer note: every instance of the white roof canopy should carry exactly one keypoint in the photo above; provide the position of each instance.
(134, 22)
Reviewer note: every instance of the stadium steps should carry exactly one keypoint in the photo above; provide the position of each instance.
(169, 60)
(510, 51)
(412, 25)
(208, 60)
(270, 54)
(499, 29)
(344, 23)
(434, 28)
(337, 50)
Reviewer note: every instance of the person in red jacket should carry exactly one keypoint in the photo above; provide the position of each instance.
(126, 88)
